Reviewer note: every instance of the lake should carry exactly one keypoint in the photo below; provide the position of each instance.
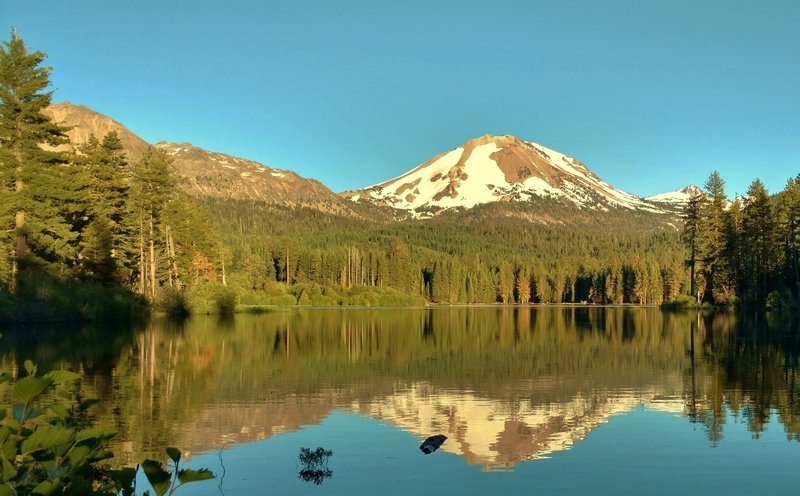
(551, 400)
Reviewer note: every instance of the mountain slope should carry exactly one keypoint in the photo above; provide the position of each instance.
(675, 200)
(205, 174)
(208, 174)
(493, 169)
(84, 122)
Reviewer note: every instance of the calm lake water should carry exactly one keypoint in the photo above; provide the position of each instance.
(553, 400)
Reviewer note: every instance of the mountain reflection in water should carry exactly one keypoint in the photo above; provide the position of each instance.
(504, 384)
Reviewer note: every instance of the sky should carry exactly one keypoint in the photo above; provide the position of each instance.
(651, 95)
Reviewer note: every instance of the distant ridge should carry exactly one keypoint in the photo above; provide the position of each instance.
(205, 174)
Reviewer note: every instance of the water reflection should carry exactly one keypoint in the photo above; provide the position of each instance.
(503, 384)
(314, 465)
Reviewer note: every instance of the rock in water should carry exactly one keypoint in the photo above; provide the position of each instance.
(432, 443)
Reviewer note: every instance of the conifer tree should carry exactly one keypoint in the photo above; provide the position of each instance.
(691, 235)
(40, 201)
(758, 225)
(734, 249)
(523, 285)
(108, 212)
(789, 207)
(153, 188)
(505, 284)
(712, 229)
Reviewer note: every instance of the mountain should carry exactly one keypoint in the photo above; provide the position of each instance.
(84, 122)
(205, 174)
(493, 169)
(487, 177)
(675, 200)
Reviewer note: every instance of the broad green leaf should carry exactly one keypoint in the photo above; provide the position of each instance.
(46, 487)
(61, 411)
(123, 479)
(30, 368)
(29, 414)
(93, 432)
(78, 455)
(47, 437)
(157, 476)
(4, 376)
(9, 472)
(61, 376)
(100, 456)
(6, 491)
(3, 414)
(188, 475)
(174, 454)
(87, 404)
(29, 388)
(10, 448)
(19, 411)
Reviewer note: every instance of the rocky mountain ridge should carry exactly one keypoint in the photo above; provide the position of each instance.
(202, 173)
(501, 170)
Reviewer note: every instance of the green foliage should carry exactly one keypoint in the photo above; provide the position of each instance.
(41, 296)
(211, 298)
(40, 202)
(52, 449)
(164, 482)
(775, 301)
(48, 449)
(173, 302)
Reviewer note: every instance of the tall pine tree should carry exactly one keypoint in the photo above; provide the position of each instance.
(40, 202)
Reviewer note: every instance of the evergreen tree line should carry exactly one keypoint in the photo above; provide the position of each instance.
(272, 248)
(91, 214)
(745, 250)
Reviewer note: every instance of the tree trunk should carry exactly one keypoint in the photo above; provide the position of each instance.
(142, 263)
(152, 243)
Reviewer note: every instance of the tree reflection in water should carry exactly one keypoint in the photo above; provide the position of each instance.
(504, 382)
(314, 465)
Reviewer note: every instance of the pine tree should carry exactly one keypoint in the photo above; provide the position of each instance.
(790, 229)
(734, 250)
(691, 235)
(505, 284)
(758, 226)
(712, 227)
(107, 183)
(153, 189)
(523, 285)
(40, 197)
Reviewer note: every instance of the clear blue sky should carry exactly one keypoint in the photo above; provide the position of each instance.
(651, 95)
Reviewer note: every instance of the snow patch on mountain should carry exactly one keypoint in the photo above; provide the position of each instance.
(499, 168)
(678, 197)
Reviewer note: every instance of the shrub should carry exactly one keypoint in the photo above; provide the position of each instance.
(775, 301)
(55, 450)
(173, 302)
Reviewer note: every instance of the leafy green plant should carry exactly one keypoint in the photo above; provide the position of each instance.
(51, 450)
(165, 482)
(55, 449)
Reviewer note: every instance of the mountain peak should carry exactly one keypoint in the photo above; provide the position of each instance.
(503, 168)
(678, 197)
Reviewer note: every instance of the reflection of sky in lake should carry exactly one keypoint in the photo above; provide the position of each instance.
(639, 452)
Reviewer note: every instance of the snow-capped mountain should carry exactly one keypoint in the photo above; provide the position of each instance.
(675, 199)
(499, 169)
